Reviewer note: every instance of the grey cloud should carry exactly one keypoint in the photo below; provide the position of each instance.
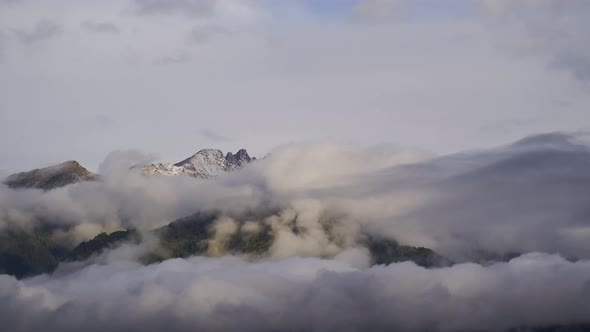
(309, 61)
(100, 27)
(562, 103)
(8, 2)
(202, 33)
(214, 136)
(179, 58)
(528, 196)
(103, 120)
(197, 8)
(2, 40)
(508, 126)
(551, 28)
(578, 64)
(383, 9)
(43, 30)
(297, 294)
(123, 160)
(554, 29)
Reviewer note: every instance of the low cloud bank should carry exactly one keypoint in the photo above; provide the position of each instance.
(300, 294)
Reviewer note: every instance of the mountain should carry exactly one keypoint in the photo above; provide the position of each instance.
(24, 253)
(51, 177)
(204, 164)
(28, 253)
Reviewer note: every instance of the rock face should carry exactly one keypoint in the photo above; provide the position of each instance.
(204, 164)
(51, 177)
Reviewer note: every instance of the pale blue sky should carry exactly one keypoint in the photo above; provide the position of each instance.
(418, 9)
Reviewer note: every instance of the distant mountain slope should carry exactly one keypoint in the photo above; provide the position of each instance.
(204, 164)
(51, 177)
(25, 254)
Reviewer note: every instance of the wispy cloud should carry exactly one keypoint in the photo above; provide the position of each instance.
(550, 28)
(100, 27)
(43, 30)
(214, 136)
(203, 33)
(180, 58)
(196, 8)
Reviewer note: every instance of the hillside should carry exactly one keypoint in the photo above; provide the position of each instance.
(25, 254)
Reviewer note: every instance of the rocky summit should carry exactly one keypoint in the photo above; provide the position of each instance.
(204, 164)
(51, 177)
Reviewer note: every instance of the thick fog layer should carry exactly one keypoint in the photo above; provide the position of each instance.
(299, 294)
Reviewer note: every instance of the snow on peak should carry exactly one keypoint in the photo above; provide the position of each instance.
(204, 164)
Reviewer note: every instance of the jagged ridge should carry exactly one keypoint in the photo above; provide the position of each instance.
(204, 164)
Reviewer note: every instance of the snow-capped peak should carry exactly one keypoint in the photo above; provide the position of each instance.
(204, 164)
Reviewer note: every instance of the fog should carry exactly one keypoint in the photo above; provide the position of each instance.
(300, 294)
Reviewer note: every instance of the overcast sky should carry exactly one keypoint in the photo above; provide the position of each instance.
(79, 79)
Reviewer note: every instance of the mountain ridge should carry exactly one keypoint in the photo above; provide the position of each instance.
(51, 177)
(206, 163)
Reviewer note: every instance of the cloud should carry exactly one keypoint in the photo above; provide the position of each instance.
(507, 126)
(203, 33)
(122, 160)
(577, 64)
(428, 84)
(218, 13)
(100, 27)
(227, 294)
(468, 207)
(284, 62)
(214, 136)
(43, 30)
(180, 58)
(550, 28)
(196, 8)
(553, 29)
(2, 41)
(528, 199)
(9, 2)
(103, 120)
(383, 9)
